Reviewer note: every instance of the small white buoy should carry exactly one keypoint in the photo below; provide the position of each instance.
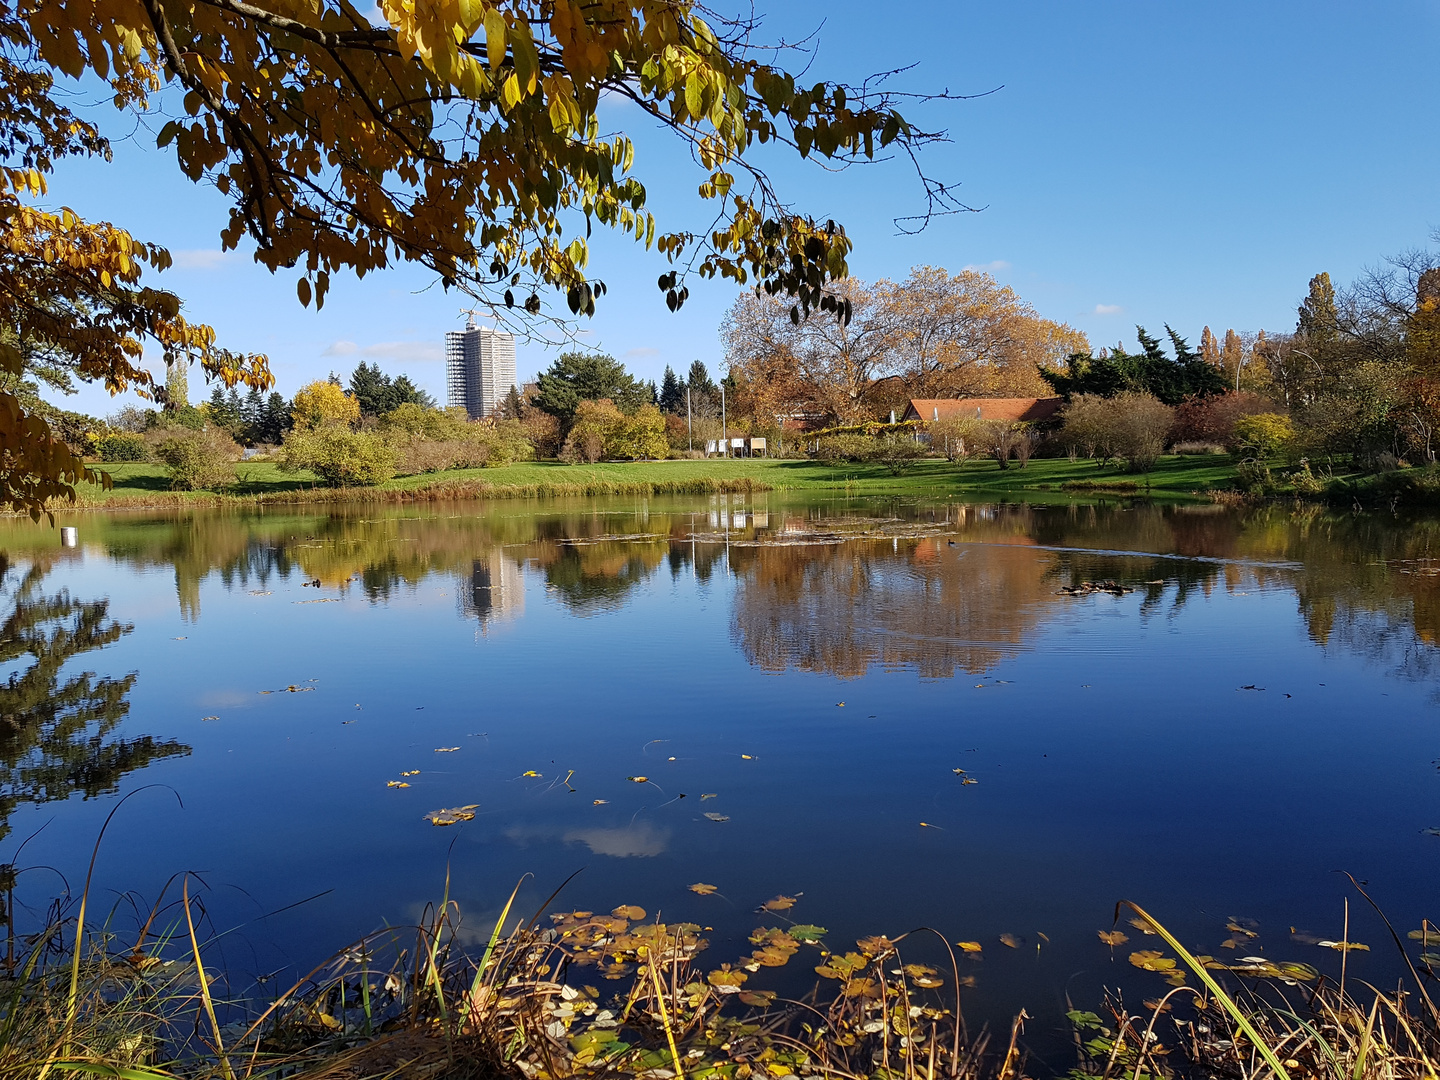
(68, 536)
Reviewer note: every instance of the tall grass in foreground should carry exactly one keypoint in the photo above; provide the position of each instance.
(414, 1003)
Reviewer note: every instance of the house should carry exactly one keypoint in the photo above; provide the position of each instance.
(1029, 409)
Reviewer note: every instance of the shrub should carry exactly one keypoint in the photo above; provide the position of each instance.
(641, 435)
(1264, 435)
(1197, 448)
(1131, 426)
(1142, 422)
(339, 456)
(321, 403)
(197, 459)
(589, 433)
(433, 440)
(123, 446)
(1213, 419)
(1000, 438)
(897, 452)
(954, 437)
(1088, 428)
(837, 448)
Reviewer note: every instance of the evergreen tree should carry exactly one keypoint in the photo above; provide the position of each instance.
(583, 376)
(371, 388)
(275, 420)
(699, 380)
(672, 392)
(654, 393)
(1150, 371)
(404, 392)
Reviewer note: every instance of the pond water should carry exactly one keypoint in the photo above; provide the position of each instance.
(800, 683)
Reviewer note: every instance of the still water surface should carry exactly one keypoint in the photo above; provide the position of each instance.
(1257, 716)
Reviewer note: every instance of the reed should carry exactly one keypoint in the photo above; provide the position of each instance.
(416, 1003)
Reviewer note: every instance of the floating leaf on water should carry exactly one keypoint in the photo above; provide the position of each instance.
(289, 690)
(807, 932)
(637, 779)
(748, 757)
(204, 718)
(1143, 926)
(717, 817)
(924, 977)
(968, 946)
(842, 967)
(958, 772)
(725, 980)
(1344, 946)
(969, 780)
(878, 945)
(865, 988)
(527, 772)
(1011, 940)
(446, 749)
(452, 815)
(839, 704)
(701, 889)
(601, 802)
(396, 783)
(927, 825)
(1428, 932)
(1152, 960)
(411, 772)
(779, 903)
(1112, 937)
(629, 911)
(709, 795)
(759, 998)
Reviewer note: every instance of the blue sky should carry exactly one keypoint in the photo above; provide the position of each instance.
(1138, 162)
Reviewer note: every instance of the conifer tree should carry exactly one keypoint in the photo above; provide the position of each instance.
(672, 392)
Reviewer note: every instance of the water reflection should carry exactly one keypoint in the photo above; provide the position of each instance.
(836, 586)
(58, 726)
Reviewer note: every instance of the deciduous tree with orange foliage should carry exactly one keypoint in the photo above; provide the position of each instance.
(935, 334)
(461, 135)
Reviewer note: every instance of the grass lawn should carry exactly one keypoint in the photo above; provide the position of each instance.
(1042, 479)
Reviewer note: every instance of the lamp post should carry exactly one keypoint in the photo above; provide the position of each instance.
(689, 424)
(724, 426)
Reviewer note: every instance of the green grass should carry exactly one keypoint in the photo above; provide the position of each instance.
(1044, 479)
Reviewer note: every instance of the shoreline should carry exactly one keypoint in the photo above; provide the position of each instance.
(1175, 479)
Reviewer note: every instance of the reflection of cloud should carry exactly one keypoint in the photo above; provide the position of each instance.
(225, 699)
(202, 258)
(998, 266)
(405, 351)
(1107, 309)
(639, 840)
(643, 350)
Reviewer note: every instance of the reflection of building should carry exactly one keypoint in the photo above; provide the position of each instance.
(479, 368)
(497, 589)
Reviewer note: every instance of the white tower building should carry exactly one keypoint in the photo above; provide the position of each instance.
(479, 368)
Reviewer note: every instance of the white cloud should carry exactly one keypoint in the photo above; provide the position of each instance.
(407, 352)
(1107, 309)
(999, 266)
(202, 258)
(642, 351)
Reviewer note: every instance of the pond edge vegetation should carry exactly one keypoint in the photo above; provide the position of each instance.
(87, 1000)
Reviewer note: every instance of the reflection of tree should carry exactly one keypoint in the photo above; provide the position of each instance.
(843, 607)
(55, 727)
(599, 576)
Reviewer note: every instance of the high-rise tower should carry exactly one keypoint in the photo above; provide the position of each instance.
(479, 368)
